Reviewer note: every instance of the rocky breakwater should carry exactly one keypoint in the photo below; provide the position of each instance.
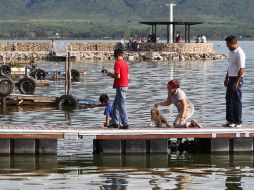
(147, 52)
(24, 51)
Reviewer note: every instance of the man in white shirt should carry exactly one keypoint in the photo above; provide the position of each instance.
(233, 82)
(203, 39)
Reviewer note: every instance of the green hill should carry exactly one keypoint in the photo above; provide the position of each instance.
(115, 18)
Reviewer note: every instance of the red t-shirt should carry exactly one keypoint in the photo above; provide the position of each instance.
(121, 67)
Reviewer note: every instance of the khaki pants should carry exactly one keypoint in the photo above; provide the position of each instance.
(184, 123)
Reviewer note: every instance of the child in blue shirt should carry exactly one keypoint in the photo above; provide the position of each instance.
(105, 102)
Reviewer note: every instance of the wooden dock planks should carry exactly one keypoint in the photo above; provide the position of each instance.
(208, 132)
(26, 99)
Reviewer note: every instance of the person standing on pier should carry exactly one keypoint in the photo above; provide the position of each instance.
(119, 118)
(185, 108)
(233, 82)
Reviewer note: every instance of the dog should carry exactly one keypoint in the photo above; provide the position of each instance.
(157, 118)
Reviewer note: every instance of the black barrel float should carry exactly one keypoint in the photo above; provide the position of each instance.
(40, 74)
(26, 85)
(6, 86)
(5, 70)
(75, 74)
(67, 102)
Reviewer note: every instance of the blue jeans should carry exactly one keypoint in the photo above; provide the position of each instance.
(119, 114)
(234, 102)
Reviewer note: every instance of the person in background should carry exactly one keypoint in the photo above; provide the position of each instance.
(122, 43)
(184, 106)
(203, 39)
(105, 102)
(233, 82)
(178, 38)
(198, 40)
(130, 43)
(119, 118)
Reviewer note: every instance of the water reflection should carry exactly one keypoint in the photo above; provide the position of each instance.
(178, 171)
(42, 165)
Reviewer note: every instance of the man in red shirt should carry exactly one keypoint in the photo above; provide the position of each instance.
(119, 118)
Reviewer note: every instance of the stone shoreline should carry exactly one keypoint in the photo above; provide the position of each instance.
(108, 56)
(24, 52)
(150, 56)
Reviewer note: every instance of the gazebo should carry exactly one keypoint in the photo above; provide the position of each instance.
(186, 29)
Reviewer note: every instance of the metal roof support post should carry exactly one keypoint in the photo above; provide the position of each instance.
(185, 33)
(174, 32)
(155, 33)
(167, 33)
(188, 33)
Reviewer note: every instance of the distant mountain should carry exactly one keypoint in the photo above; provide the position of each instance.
(219, 16)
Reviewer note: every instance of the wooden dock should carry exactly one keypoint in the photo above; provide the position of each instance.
(134, 140)
(26, 99)
(209, 131)
(17, 72)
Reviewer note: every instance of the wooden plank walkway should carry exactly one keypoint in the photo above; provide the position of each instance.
(27, 131)
(26, 99)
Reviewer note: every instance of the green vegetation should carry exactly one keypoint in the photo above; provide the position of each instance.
(97, 19)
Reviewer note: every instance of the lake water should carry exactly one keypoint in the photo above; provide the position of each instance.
(76, 168)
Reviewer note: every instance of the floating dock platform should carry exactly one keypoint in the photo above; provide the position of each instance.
(43, 139)
(26, 99)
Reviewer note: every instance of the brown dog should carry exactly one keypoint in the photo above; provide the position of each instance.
(157, 118)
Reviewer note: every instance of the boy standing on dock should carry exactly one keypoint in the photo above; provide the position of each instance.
(233, 82)
(119, 118)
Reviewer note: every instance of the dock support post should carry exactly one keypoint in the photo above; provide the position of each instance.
(139, 146)
(212, 145)
(158, 146)
(135, 146)
(111, 146)
(68, 67)
(47, 146)
(243, 144)
(24, 146)
(107, 146)
(5, 146)
(220, 145)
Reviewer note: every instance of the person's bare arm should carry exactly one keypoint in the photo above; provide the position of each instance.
(167, 102)
(113, 75)
(96, 105)
(226, 80)
(239, 76)
(106, 124)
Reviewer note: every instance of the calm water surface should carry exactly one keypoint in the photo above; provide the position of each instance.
(203, 83)
(232, 172)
